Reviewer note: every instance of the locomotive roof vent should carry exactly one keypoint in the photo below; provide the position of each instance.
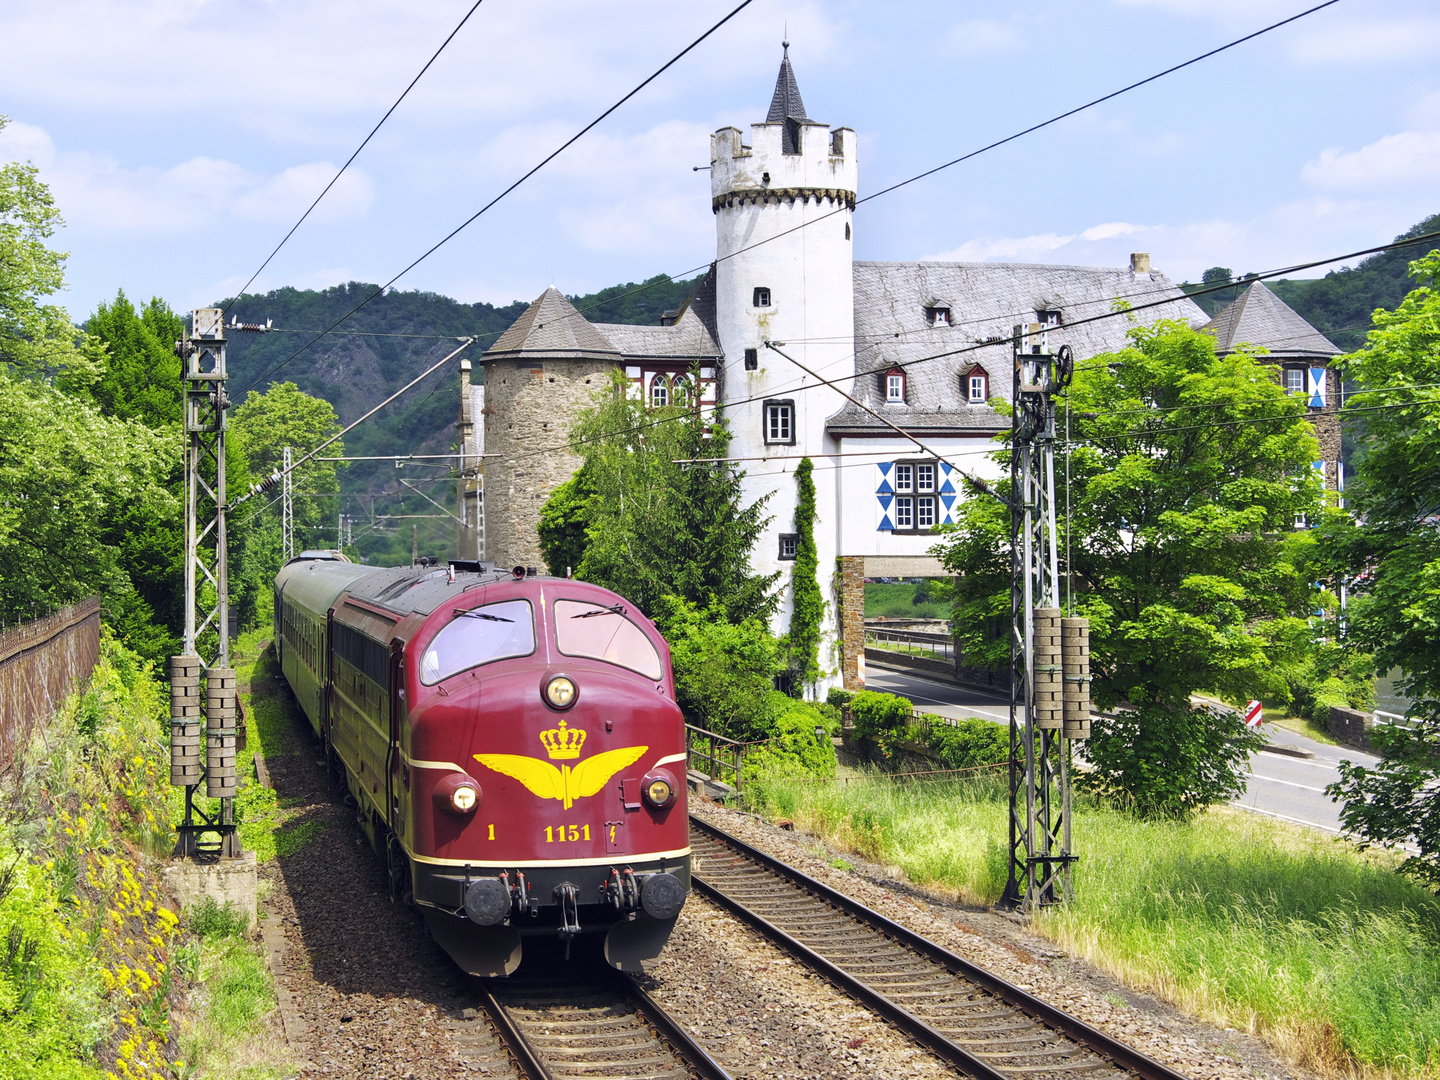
(470, 566)
(517, 572)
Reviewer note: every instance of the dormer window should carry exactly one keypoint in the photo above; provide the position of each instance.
(937, 316)
(975, 385)
(893, 382)
(762, 296)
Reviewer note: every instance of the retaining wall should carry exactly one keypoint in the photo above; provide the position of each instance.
(40, 663)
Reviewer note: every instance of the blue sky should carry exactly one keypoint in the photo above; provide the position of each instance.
(182, 137)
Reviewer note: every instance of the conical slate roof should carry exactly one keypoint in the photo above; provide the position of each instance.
(1259, 317)
(552, 327)
(786, 106)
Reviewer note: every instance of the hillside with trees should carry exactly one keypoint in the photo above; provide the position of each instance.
(1339, 304)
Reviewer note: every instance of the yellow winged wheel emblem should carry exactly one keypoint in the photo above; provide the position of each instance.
(563, 783)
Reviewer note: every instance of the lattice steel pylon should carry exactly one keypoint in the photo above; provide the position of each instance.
(1041, 686)
(287, 510)
(207, 604)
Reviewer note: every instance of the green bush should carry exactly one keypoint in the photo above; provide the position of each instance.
(208, 920)
(968, 744)
(724, 672)
(878, 715)
(793, 750)
(839, 698)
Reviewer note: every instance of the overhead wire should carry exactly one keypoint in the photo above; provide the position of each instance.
(798, 388)
(884, 191)
(526, 176)
(364, 142)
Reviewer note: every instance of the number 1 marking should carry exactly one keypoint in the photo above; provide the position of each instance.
(492, 831)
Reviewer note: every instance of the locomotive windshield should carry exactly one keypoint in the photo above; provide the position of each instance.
(490, 632)
(604, 633)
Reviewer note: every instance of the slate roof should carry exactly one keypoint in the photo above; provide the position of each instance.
(786, 106)
(552, 327)
(985, 300)
(1259, 317)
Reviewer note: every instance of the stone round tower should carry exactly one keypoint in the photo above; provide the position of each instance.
(783, 206)
(539, 376)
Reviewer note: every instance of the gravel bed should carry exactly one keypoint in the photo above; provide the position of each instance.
(1005, 945)
(375, 993)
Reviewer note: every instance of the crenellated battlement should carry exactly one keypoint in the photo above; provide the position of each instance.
(824, 168)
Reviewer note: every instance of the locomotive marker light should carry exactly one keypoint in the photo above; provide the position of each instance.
(560, 692)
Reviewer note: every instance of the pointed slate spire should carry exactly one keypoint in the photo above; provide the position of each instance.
(786, 106)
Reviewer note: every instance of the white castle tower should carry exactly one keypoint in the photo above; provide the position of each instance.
(783, 207)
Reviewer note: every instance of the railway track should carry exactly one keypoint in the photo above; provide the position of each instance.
(982, 1025)
(580, 1021)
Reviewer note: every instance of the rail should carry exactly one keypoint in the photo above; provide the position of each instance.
(985, 1027)
(723, 757)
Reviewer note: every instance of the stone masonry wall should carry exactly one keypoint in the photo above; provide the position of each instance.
(852, 619)
(530, 405)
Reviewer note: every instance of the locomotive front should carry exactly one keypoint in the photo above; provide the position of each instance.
(541, 768)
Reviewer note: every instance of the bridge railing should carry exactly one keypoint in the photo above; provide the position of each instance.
(714, 755)
(40, 663)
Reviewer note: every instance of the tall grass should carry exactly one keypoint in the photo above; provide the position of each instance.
(1241, 920)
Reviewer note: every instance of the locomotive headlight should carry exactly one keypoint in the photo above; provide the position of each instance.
(457, 794)
(560, 692)
(659, 789)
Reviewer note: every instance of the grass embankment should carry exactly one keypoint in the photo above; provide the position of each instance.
(896, 600)
(99, 976)
(1238, 919)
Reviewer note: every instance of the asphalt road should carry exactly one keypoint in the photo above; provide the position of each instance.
(1288, 787)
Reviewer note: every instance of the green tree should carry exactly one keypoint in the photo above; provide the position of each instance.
(802, 641)
(724, 672)
(1394, 540)
(261, 429)
(656, 528)
(36, 338)
(562, 524)
(1187, 471)
(141, 373)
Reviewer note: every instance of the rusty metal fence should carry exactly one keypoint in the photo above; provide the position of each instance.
(40, 663)
(715, 756)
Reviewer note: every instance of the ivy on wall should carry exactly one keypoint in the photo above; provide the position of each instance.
(803, 640)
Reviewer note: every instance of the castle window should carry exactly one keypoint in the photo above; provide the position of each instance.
(1048, 317)
(904, 477)
(894, 383)
(847, 230)
(780, 422)
(762, 296)
(904, 514)
(789, 545)
(925, 477)
(659, 392)
(752, 359)
(682, 392)
(976, 384)
(1295, 380)
(937, 316)
(925, 513)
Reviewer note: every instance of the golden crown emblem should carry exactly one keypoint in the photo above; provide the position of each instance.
(561, 744)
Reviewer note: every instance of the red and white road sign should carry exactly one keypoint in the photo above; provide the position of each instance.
(1252, 714)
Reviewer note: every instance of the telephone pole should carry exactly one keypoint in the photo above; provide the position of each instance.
(1049, 654)
(206, 658)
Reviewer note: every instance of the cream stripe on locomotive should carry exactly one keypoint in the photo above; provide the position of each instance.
(608, 860)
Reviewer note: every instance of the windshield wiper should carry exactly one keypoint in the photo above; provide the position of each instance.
(613, 609)
(482, 615)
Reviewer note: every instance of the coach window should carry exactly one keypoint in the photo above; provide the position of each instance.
(604, 633)
(478, 636)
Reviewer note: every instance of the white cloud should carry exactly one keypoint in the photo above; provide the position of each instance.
(1023, 248)
(1110, 230)
(978, 37)
(283, 198)
(1369, 40)
(1407, 159)
(97, 193)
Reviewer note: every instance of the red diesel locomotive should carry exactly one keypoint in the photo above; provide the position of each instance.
(512, 744)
